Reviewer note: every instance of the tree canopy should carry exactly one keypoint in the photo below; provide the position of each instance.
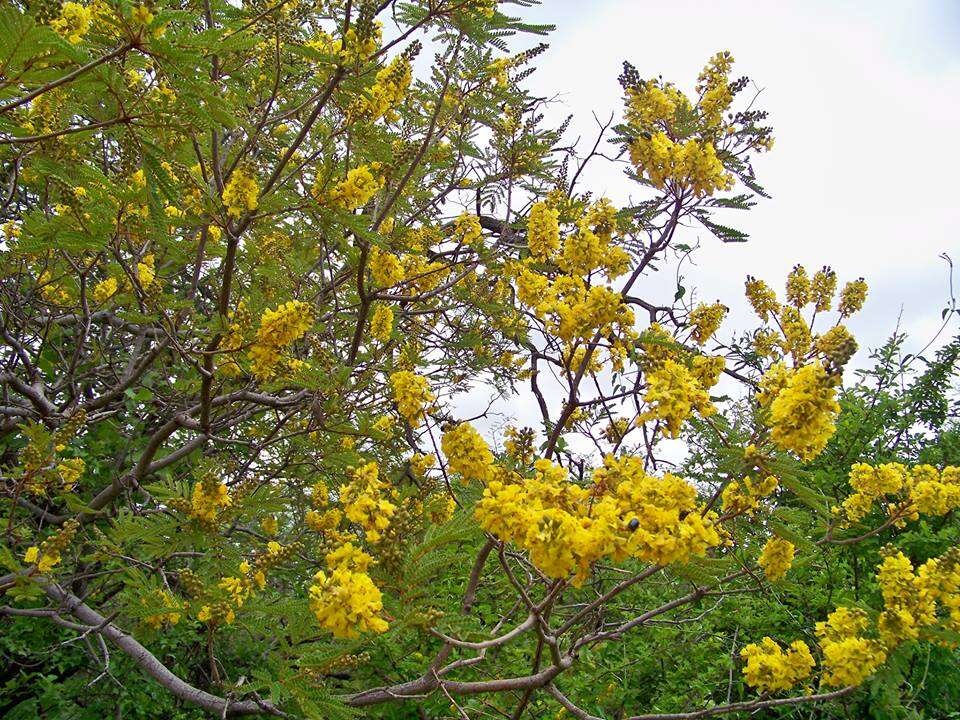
(273, 272)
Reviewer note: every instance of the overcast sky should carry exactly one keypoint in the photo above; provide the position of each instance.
(864, 98)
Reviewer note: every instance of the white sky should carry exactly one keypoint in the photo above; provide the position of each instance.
(864, 99)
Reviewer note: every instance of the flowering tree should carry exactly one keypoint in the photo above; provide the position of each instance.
(252, 266)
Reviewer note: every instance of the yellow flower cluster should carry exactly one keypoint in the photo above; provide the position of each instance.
(50, 552)
(240, 588)
(941, 578)
(346, 601)
(776, 558)
(743, 496)
(278, 328)
(654, 104)
(241, 193)
(387, 92)
(518, 444)
(803, 407)
(421, 463)
(104, 290)
(761, 297)
(355, 190)
(352, 47)
(146, 271)
(591, 248)
(141, 15)
(467, 230)
(909, 492)
(848, 657)
(73, 22)
(364, 500)
(70, 471)
(690, 165)
(769, 669)
(170, 609)
(852, 297)
(713, 84)
(909, 600)
(836, 346)
(208, 497)
(385, 267)
(704, 321)
(567, 527)
(381, 323)
(798, 286)
(543, 231)
(570, 309)
(412, 394)
(422, 275)
(467, 453)
(822, 289)
(673, 395)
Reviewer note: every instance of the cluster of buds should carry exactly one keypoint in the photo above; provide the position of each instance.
(836, 346)
(276, 555)
(50, 552)
(405, 523)
(217, 613)
(191, 583)
(43, 470)
(343, 663)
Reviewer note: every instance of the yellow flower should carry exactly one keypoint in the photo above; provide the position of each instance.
(852, 297)
(467, 453)
(104, 290)
(347, 602)
(412, 394)
(467, 230)
(762, 299)
(776, 558)
(241, 194)
(802, 408)
(822, 288)
(278, 328)
(909, 599)
(849, 658)
(705, 320)
(388, 91)
(74, 21)
(567, 527)
(798, 286)
(543, 231)
(208, 497)
(141, 15)
(364, 500)
(769, 669)
(146, 271)
(385, 267)
(691, 165)
(48, 560)
(744, 495)
(381, 323)
(673, 395)
(357, 188)
(138, 180)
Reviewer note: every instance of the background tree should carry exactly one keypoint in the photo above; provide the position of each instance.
(259, 256)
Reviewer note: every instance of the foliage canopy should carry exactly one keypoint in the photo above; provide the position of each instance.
(260, 257)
